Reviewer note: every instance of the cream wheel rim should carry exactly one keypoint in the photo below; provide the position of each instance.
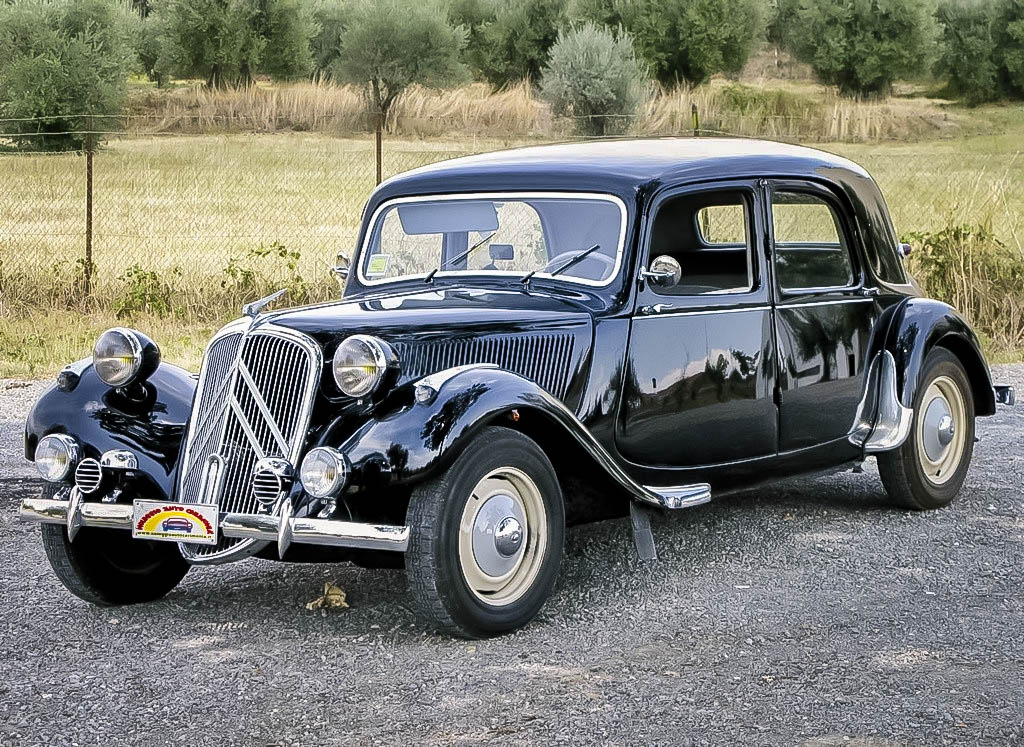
(503, 534)
(941, 430)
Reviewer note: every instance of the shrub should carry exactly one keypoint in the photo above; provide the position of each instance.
(226, 42)
(861, 46)
(685, 40)
(1008, 36)
(966, 49)
(390, 45)
(61, 60)
(595, 78)
(510, 41)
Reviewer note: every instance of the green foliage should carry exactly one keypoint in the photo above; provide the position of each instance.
(145, 291)
(226, 42)
(390, 45)
(509, 41)
(261, 271)
(971, 269)
(966, 49)
(684, 40)
(1008, 35)
(59, 61)
(330, 18)
(861, 46)
(595, 78)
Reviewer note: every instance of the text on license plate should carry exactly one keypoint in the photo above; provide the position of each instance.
(175, 522)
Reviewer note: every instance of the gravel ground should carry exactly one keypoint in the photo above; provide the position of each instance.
(809, 612)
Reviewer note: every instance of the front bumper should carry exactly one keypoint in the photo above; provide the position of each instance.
(283, 529)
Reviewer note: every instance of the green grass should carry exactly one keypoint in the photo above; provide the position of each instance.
(189, 207)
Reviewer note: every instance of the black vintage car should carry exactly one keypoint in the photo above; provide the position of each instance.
(525, 338)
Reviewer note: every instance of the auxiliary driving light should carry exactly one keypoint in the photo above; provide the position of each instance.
(56, 455)
(324, 472)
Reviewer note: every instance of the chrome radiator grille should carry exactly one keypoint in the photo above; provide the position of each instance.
(543, 358)
(253, 400)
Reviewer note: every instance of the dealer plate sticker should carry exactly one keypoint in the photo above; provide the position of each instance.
(174, 522)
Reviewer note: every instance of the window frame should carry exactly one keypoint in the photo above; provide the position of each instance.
(371, 230)
(756, 297)
(849, 239)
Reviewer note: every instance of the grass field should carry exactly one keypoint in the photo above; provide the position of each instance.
(192, 208)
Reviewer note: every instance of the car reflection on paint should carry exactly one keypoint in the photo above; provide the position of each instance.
(176, 524)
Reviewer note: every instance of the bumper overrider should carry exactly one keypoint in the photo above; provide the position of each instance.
(70, 508)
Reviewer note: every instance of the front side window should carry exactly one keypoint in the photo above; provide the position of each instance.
(577, 238)
(710, 235)
(811, 250)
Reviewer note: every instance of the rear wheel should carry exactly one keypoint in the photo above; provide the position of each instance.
(929, 469)
(108, 567)
(486, 537)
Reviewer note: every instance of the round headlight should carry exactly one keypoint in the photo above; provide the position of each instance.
(56, 456)
(121, 356)
(324, 472)
(359, 365)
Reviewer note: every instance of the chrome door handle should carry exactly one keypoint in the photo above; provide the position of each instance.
(655, 309)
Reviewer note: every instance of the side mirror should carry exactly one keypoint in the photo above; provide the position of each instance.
(904, 250)
(341, 268)
(664, 272)
(504, 252)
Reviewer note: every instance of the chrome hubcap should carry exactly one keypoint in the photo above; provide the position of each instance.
(502, 536)
(940, 430)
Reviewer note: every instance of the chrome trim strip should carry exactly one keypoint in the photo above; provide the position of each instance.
(882, 422)
(657, 314)
(253, 527)
(602, 196)
(672, 497)
(797, 305)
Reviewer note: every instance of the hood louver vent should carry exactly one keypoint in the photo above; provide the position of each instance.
(543, 358)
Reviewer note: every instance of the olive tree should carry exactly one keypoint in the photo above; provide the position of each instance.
(509, 41)
(967, 50)
(65, 65)
(594, 77)
(1008, 37)
(684, 40)
(389, 45)
(861, 46)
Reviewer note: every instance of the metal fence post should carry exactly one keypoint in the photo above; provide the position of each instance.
(379, 136)
(89, 148)
(696, 119)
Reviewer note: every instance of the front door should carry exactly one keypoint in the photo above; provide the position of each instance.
(699, 380)
(824, 314)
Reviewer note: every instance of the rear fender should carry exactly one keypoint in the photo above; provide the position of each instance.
(149, 419)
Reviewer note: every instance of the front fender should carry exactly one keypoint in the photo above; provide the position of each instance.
(149, 419)
(418, 440)
(917, 326)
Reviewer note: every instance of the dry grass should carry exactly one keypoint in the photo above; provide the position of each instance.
(788, 110)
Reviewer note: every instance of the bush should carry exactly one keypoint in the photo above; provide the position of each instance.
(595, 78)
(390, 45)
(685, 40)
(329, 18)
(67, 63)
(861, 46)
(966, 49)
(1008, 36)
(510, 41)
(226, 42)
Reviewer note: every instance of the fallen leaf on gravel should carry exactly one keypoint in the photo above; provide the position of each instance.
(333, 596)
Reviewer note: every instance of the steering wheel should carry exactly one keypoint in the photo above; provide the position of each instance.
(560, 259)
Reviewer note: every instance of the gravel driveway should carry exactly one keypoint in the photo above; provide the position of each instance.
(807, 612)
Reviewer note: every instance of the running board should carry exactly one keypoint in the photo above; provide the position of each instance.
(680, 496)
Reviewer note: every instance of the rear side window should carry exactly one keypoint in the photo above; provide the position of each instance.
(811, 248)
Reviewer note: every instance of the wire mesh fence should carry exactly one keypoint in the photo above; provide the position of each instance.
(217, 210)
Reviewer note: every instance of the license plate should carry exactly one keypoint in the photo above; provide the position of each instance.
(174, 522)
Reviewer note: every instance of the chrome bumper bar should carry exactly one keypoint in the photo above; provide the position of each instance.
(283, 529)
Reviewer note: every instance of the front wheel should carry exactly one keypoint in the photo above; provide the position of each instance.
(108, 567)
(486, 537)
(929, 469)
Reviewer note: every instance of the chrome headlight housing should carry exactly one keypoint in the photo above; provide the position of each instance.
(324, 472)
(123, 356)
(56, 456)
(360, 363)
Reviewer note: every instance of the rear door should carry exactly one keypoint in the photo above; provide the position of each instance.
(824, 313)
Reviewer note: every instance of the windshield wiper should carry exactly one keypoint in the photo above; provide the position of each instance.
(457, 257)
(574, 260)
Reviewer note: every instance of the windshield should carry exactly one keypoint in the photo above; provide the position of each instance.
(507, 234)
